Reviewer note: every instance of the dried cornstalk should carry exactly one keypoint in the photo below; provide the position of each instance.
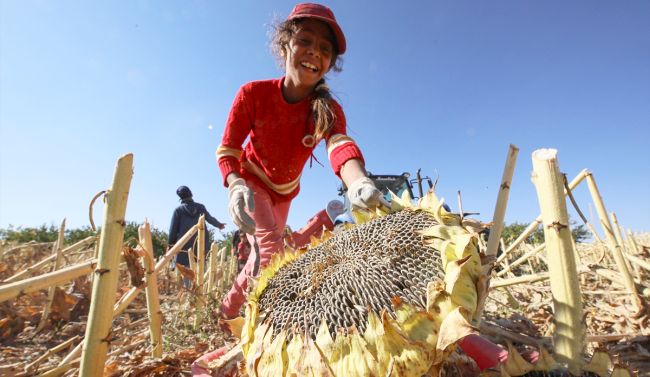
(502, 202)
(614, 248)
(221, 283)
(26, 245)
(30, 368)
(33, 284)
(192, 260)
(126, 299)
(58, 248)
(118, 309)
(212, 269)
(107, 273)
(37, 266)
(521, 260)
(497, 219)
(69, 364)
(200, 299)
(153, 300)
(638, 261)
(619, 240)
(635, 246)
(518, 280)
(565, 287)
(232, 270)
(532, 226)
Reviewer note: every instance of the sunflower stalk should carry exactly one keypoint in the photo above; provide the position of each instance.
(107, 273)
(37, 266)
(497, 220)
(614, 247)
(58, 259)
(153, 299)
(521, 260)
(532, 226)
(212, 269)
(33, 284)
(565, 287)
(619, 239)
(200, 298)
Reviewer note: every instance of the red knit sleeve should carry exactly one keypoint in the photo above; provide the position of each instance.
(341, 147)
(238, 126)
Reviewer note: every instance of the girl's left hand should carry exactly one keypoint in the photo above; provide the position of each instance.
(364, 195)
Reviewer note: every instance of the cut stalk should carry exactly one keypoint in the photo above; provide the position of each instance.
(57, 252)
(638, 261)
(502, 201)
(33, 284)
(521, 260)
(221, 282)
(619, 240)
(118, 309)
(635, 246)
(614, 248)
(107, 273)
(153, 300)
(162, 262)
(565, 287)
(31, 367)
(192, 261)
(212, 269)
(200, 301)
(532, 226)
(519, 280)
(37, 266)
(497, 226)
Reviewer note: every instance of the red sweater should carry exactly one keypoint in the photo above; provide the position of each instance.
(275, 154)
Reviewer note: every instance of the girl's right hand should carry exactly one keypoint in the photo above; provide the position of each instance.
(240, 202)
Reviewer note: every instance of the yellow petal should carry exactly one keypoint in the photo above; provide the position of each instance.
(621, 372)
(516, 365)
(312, 361)
(273, 359)
(453, 328)
(255, 350)
(323, 338)
(600, 363)
(235, 326)
(546, 362)
(410, 358)
(418, 325)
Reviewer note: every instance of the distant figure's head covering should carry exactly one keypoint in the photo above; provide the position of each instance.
(184, 192)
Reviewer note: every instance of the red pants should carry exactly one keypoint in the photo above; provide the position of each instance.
(270, 219)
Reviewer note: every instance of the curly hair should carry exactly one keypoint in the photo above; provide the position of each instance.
(322, 112)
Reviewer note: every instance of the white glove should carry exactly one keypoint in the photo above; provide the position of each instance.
(364, 195)
(240, 200)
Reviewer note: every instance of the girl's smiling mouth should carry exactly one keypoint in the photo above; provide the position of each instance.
(309, 66)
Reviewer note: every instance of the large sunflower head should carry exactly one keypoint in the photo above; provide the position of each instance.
(391, 294)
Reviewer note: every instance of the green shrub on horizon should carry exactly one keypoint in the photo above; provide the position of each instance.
(512, 231)
(45, 233)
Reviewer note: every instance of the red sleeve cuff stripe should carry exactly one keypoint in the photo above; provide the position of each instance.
(228, 165)
(341, 154)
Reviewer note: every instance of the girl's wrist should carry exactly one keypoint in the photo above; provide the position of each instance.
(232, 177)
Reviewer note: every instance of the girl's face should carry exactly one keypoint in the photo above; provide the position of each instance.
(309, 54)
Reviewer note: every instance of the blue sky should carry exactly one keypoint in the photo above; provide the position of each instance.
(444, 86)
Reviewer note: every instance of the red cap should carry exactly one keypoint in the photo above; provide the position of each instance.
(323, 13)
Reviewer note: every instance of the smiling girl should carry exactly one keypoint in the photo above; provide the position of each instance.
(284, 120)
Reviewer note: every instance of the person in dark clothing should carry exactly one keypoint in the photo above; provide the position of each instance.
(186, 216)
(241, 248)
